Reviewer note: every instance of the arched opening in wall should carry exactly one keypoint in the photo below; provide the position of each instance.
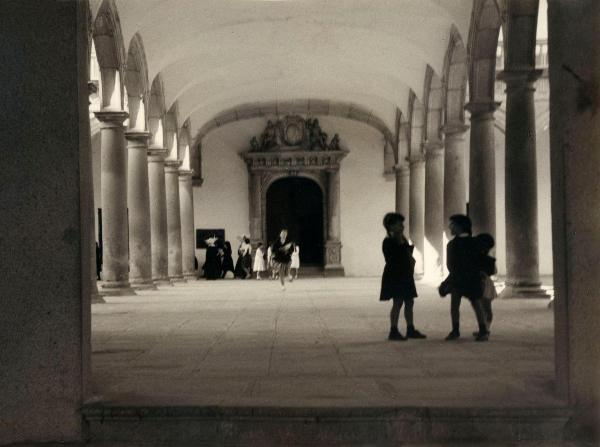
(296, 203)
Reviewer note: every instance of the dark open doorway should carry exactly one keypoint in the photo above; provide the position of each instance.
(296, 203)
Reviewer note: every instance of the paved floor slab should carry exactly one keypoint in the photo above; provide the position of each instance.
(322, 342)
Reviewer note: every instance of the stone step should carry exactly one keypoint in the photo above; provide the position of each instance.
(187, 426)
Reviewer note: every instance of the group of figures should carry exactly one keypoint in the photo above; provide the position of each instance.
(470, 268)
(294, 132)
(282, 259)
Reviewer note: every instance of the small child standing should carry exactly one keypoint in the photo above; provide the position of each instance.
(397, 281)
(259, 260)
(295, 265)
(486, 242)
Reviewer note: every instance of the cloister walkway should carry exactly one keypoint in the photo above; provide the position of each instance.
(322, 342)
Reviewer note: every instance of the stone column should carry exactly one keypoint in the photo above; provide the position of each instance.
(138, 199)
(417, 210)
(113, 173)
(522, 251)
(333, 246)
(255, 208)
(434, 210)
(188, 237)
(482, 167)
(455, 195)
(158, 215)
(173, 220)
(575, 156)
(403, 194)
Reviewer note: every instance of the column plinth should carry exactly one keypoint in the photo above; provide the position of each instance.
(434, 210)
(482, 167)
(114, 203)
(333, 246)
(173, 220)
(138, 200)
(403, 194)
(158, 215)
(522, 243)
(417, 210)
(188, 239)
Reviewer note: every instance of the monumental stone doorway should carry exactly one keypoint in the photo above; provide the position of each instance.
(296, 203)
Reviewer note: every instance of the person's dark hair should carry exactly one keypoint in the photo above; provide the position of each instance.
(486, 241)
(390, 219)
(259, 244)
(462, 221)
(247, 240)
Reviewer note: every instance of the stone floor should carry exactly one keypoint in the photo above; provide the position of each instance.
(322, 342)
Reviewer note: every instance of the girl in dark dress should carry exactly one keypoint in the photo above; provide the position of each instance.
(397, 282)
(227, 265)
(463, 259)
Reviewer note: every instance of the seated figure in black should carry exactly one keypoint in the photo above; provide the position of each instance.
(227, 263)
(397, 282)
(212, 265)
(463, 259)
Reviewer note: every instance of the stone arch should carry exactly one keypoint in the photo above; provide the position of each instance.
(156, 112)
(455, 80)
(110, 51)
(416, 122)
(486, 21)
(433, 102)
(136, 84)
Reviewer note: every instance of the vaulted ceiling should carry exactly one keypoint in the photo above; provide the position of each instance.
(213, 55)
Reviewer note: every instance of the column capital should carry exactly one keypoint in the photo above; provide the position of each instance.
(454, 129)
(401, 170)
(516, 76)
(111, 118)
(433, 149)
(482, 109)
(157, 152)
(416, 159)
(172, 166)
(185, 173)
(139, 136)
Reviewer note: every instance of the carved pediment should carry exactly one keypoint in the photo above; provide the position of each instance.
(294, 133)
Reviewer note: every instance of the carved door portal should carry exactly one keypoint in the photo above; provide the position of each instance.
(296, 203)
(291, 154)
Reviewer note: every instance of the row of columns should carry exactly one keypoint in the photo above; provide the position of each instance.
(432, 187)
(147, 211)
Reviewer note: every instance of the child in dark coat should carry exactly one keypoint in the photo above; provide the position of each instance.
(397, 282)
(485, 243)
(463, 259)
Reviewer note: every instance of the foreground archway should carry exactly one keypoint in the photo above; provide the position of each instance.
(296, 203)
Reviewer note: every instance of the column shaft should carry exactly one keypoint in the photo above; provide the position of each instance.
(158, 215)
(186, 203)
(482, 168)
(403, 194)
(417, 210)
(138, 199)
(173, 220)
(333, 246)
(114, 204)
(434, 210)
(455, 194)
(522, 250)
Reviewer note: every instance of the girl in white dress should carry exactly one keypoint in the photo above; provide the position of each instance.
(295, 265)
(259, 261)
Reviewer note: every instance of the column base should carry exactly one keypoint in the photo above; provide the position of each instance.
(142, 284)
(159, 282)
(116, 288)
(177, 279)
(190, 276)
(97, 298)
(527, 291)
(333, 270)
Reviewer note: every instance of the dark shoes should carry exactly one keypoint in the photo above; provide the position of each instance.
(453, 336)
(396, 335)
(413, 333)
(482, 336)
